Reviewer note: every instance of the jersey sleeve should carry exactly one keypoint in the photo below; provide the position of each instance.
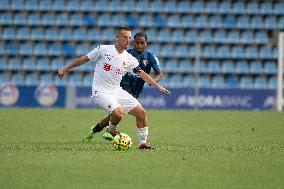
(132, 64)
(95, 54)
(155, 63)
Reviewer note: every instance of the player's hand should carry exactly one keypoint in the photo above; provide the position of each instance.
(61, 73)
(164, 90)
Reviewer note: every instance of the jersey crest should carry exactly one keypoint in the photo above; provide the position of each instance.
(145, 62)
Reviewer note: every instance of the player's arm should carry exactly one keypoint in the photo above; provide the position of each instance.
(156, 67)
(149, 80)
(77, 62)
(158, 76)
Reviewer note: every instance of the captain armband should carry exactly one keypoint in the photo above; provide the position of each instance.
(137, 70)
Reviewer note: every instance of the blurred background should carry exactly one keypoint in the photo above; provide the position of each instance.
(204, 47)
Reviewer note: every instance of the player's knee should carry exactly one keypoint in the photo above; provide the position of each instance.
(142, 114)
(118, 113)
(116, 117)
(119, 116)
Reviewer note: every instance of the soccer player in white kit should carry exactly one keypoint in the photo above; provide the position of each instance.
(112, 62)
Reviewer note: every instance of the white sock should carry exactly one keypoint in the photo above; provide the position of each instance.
(111, 128)
(142, 134)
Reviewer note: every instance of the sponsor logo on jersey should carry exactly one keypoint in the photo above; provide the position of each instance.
(107, 67)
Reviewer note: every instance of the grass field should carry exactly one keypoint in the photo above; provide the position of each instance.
(42, 148)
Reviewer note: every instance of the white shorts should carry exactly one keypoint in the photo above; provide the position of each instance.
(113, 99)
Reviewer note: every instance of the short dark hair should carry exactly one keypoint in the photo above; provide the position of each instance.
(141, 34)
(122, 28)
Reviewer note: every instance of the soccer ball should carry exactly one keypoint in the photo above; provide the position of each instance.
(121, 141)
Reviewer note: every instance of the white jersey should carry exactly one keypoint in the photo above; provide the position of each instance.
(110, 67)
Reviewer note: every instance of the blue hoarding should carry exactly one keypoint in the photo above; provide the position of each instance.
(31, 96)
(83, 98)
(186, 98)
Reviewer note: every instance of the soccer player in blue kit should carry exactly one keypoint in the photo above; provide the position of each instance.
(147, 61)
(131, 83)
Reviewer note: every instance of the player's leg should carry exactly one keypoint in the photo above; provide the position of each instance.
(99, 127)
(102, 124)
(112, 120)
(141, 123)
(107, 135)
(110, 104)
(131, 106)
(115, 118)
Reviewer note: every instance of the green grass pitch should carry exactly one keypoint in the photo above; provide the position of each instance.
(42, 148)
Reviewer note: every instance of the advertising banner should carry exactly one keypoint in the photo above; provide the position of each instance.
(185, 98)
(83, 98)
(31, 96)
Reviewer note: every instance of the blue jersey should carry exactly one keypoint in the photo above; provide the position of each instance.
(133, 83)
